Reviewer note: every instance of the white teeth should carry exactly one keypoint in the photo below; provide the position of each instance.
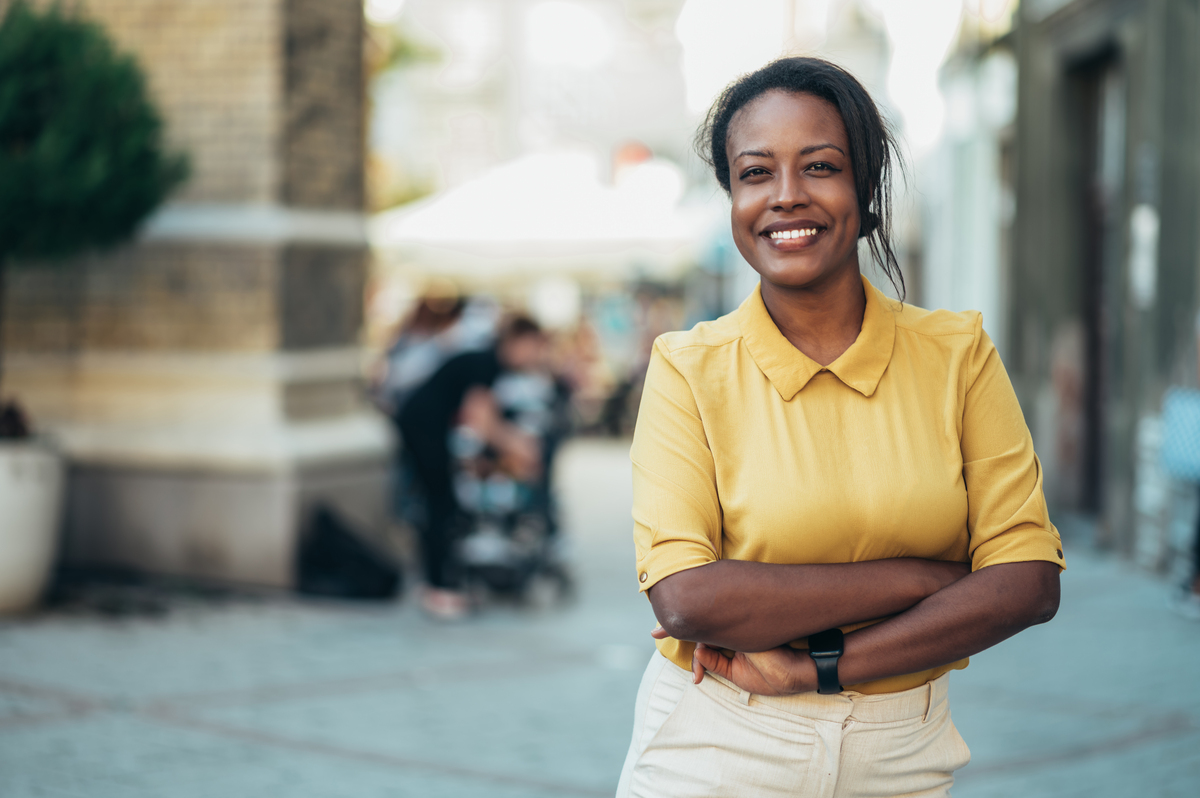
(779, 235)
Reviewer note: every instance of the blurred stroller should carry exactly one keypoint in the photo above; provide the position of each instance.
(508, 542)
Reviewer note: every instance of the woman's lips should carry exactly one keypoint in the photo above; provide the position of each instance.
(795, 238)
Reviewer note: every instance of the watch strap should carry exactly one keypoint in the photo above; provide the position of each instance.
(825, 648)
(827, 674)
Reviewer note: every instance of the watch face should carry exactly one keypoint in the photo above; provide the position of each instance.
(826, 644)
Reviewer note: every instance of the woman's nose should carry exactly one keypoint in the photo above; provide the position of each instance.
(789, 193)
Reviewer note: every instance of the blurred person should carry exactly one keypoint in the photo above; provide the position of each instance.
(443, 324)
(579, 364)
(1187, 601)
(460, 392)
(429, 337)
(836, 498)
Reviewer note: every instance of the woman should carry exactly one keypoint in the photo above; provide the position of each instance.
(823, 466)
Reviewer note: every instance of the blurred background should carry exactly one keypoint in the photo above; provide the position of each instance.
(219, 297)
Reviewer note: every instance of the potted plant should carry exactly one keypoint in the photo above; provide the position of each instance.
(82, 163)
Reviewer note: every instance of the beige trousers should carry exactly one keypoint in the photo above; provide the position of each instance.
(714, 740)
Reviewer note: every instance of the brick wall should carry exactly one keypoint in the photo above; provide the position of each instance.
(158, 366)
(213, 67)
(320, 296)
(324, 104)
(167, 296)
(266, 96)
(158, 296)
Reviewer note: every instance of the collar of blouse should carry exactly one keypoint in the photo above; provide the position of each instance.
(789, 370)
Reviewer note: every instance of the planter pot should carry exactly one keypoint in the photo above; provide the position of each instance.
(31, 487)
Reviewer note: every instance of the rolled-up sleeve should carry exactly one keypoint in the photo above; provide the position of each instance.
(676, 514)
(1007, 516)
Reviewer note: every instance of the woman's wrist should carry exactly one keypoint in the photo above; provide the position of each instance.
(804, 674)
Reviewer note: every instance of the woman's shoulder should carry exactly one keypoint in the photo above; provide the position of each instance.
(706, 338)
(957, 326)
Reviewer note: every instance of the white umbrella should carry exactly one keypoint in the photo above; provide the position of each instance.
(550, 213)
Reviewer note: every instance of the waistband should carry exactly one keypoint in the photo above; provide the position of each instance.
(919, 702)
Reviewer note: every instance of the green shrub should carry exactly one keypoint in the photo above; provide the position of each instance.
(82, 159)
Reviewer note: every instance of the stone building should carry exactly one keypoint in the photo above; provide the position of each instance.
(965, 181)
(1105, 251)
(204, 380)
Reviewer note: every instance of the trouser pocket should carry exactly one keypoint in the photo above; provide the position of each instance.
(912, 758)
(713, 746)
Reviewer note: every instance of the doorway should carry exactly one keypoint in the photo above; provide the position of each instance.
(1099, 112)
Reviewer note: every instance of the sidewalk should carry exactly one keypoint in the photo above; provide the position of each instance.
(1104, 701)
(284, 697)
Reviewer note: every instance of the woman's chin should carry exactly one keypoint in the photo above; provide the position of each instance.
(796, 275)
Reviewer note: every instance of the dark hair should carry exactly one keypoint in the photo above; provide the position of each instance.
(872, 146)
(518, 326)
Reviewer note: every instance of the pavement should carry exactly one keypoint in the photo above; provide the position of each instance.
(184, 694)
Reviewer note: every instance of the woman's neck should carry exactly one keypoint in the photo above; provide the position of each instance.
(822, 321)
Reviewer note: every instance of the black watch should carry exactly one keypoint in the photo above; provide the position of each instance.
(825, 648)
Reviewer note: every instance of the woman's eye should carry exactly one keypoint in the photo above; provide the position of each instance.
(754, 171)
(822, 167)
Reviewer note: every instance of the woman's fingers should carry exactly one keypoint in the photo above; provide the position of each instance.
(697, 664)
(659, 633)
(710, 659)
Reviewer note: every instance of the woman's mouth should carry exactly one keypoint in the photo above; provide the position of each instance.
(793, 238)
(779, 235)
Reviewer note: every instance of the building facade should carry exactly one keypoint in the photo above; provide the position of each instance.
(966, 187)
(1103, 283)
(204, 381)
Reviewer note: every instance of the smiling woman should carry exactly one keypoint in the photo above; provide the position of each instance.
(839, 125)
(836, 498)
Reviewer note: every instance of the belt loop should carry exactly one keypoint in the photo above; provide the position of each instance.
(928, 701)
(744, 697)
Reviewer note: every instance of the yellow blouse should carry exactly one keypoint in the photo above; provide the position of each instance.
(910, 444)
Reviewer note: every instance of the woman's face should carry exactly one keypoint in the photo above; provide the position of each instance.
(795, 212)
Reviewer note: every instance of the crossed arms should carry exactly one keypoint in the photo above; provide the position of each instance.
(942, 613)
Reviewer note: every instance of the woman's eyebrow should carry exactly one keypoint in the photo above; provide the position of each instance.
(757, 153)
(825, 146)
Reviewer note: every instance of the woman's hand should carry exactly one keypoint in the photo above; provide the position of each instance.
(779, 671)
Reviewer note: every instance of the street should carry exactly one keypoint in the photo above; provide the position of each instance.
(252, 696)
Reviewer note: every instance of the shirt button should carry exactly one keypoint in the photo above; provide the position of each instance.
(646, 576)
(1059, 553)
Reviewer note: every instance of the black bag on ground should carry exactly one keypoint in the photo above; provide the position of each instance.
(334, 561)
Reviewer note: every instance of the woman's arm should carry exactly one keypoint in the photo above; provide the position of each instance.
(751, 606)
(973, 614)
